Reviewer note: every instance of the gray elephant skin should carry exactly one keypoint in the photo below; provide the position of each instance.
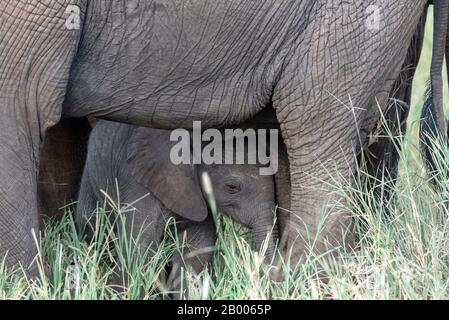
(132, 166)
(164, 64)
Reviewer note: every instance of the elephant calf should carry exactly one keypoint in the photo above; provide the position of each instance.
(132, 164)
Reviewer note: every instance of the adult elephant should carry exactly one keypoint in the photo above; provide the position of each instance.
(164, 64)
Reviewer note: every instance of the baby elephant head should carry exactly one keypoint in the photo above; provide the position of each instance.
(240, 191)
(248, 198)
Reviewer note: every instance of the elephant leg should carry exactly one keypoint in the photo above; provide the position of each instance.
(314, 219)
(198, 245)
(140, 230)
(62, 158)
(85, 214)
(325, 112)
(282, 184)
(144, 226)
(381, 158)
(18, 202)
(139, 237)
(36, 53)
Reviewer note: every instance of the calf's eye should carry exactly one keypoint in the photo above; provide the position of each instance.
(233, 188)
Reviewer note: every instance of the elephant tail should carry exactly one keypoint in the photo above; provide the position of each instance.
(434, 124)
(431, 150)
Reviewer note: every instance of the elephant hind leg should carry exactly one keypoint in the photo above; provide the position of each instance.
(321, 137)
(382, 158)
(317, 217)
(324, 109)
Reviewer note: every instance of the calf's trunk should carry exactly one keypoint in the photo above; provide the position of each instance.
(265, 231)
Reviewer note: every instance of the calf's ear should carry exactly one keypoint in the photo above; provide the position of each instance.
(176, 186)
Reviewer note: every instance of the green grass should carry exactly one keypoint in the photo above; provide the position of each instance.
(403, 252)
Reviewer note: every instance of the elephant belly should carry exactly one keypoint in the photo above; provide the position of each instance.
(167, 63)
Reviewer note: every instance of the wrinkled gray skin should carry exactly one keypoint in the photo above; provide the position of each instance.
(381, 157)
(136, 162)
(163, 64)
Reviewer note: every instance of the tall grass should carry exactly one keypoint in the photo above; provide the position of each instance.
(403, 253)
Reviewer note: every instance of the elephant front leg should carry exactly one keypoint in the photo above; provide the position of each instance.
(197, 251)
(18, 204)
(36, 53)
(140, 232)
(323, 100)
